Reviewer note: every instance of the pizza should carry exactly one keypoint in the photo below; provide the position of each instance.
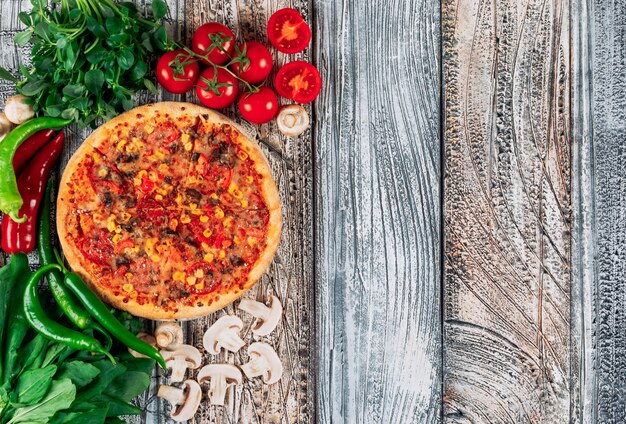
(169, 211)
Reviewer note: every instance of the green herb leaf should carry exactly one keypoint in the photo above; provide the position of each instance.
(150, 86)
(114, 25)
(94, 80)
(159, 9)
(33, 384)
(6, 75)
(91, 416)
(81, 373)
(138, 71)
(22, 38)
(33, 88)
(60, 396)
(126, 59)
(74, 90)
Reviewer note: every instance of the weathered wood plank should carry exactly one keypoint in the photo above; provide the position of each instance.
(599, 128)
(377, 204)
(507, 211)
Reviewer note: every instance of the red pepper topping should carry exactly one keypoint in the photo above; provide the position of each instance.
(32, 186)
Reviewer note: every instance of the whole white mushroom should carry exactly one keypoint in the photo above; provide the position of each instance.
(18, 109)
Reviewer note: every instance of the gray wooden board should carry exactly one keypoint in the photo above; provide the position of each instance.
(377, 204)
(507, 220)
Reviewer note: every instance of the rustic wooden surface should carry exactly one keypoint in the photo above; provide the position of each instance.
(377, 204)
(507, 212)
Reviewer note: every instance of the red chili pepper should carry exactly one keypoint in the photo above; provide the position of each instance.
(28, 149)
(32, 186)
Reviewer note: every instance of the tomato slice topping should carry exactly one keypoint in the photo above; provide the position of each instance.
(287, 31)
(299, 81)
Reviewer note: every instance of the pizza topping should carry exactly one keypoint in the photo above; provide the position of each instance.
(185, 401)
(264, 362)
(220, 377)
(179, 360)
(267, 317)
(224, 334)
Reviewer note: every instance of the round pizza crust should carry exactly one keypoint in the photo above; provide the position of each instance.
(220, 299)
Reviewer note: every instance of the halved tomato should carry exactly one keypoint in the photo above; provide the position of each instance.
(287, 31)
(299, 81)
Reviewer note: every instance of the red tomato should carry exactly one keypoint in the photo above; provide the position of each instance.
(226, 85)
(299, 81)
(288, 32)
(177, 72)
(260, 64)
(259, 107)
(208, 39)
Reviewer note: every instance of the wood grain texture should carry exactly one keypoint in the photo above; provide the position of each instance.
(377, 204)
(599, 128)
(507, 221)
(290, 276)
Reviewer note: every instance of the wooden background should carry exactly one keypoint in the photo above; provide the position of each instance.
(455, 220)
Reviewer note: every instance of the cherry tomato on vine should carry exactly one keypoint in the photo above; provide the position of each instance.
(177, 72)
(216, 40)
(287, 31)
(254, 62)
(259, 107)
(299, 81)
(220, 93)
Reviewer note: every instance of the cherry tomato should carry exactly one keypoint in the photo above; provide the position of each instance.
(208, 39)
(259, 107)
(288, 32)
(226, 85)
(260, 64)
(177, 72)
(299, 81)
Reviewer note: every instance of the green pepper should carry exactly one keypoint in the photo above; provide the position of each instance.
(10, 198)
(40, 322)
(101, 312)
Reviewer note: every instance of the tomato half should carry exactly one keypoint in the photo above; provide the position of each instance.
(299, 81)
(177, 72)
(259, 107)
(287, 31)
(260, 62)
(225, 84)
(216, 40)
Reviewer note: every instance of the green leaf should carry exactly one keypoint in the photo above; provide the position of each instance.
(70, 56)
(126, 59)
(94, 80)
(81, 373)
(33, 384)
(129, 385)
(150, 86)
(92, 416)
(74, 90)
(33, 88)
(6, 75)
(160, 38)
(118, 407)
(96, 28)
(22, 38)
(60, 396)
(138, 71)
(108, 373)
(159, 9)
(31, 355)
(25, 18)
(114, 25)
(97, 54)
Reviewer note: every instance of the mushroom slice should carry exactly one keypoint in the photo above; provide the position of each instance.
(5, 125)
(220, 376)
(148, 338)
(292, 120)
(224, 334)
(18, 110)
(180, 360)
(263, 362)
(169, 335)
(267, 317)
(185, 401)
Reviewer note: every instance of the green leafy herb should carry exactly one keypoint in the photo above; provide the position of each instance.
(33, 384)
(89, 57)
(60, 396)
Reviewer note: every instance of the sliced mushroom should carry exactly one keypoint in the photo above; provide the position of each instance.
(220, 376)
(148, 338)
(181, 359)
(263, 362)
(5, 125)
(185, 401)
(224, 334)
(18, 110)
(292, 120)
(169, 335)
(267, 317)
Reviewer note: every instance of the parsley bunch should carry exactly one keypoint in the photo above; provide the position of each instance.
(89, 57)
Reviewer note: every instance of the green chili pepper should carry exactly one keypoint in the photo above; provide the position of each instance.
(40, 322)
(10, 199)
(101, 312)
